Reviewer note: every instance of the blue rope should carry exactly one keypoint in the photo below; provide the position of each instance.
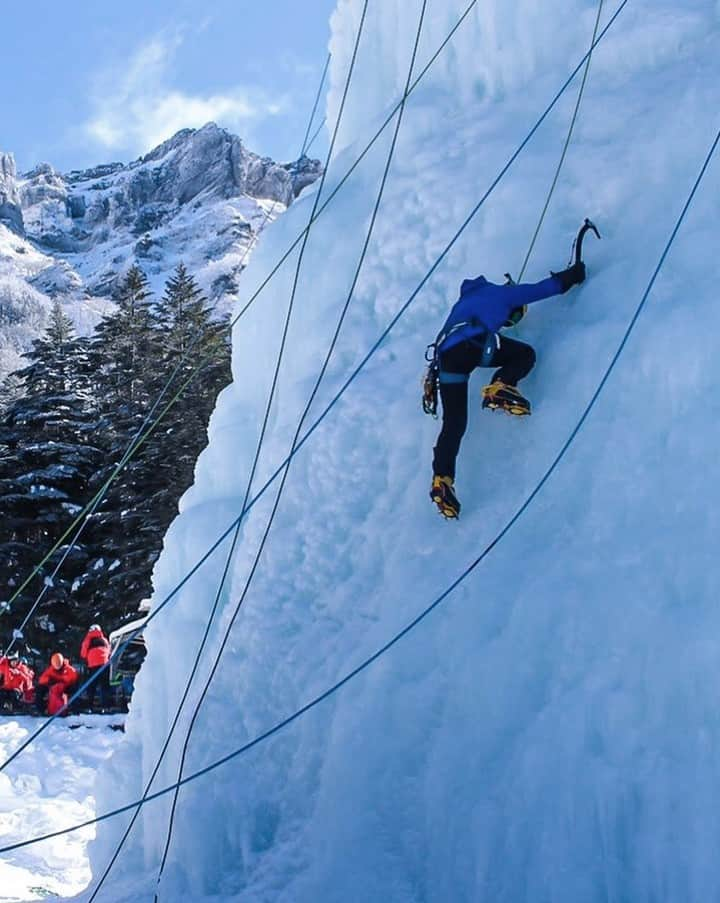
(438, 601)
(336, 398)
(305, 144)
(314, 137)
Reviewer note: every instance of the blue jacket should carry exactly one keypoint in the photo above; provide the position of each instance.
(485, 307)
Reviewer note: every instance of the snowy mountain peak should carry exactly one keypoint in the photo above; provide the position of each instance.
(74, 213)
(200, 197)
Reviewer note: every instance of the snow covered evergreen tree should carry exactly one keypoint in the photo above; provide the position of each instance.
(47, 456)
(126, 354)
(198, 348)
(10, 391)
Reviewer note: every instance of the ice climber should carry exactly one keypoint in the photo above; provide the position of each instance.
(58, 678)
(470, 338)
(95, 652)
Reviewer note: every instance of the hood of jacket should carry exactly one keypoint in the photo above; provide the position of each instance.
(469, 285)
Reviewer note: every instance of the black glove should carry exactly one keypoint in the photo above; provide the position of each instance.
(573, 275)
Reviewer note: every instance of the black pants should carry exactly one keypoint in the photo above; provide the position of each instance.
(102, 684)
(41, 692)
(514, 359)
(10, 700)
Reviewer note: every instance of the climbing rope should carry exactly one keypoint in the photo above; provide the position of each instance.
(317, 132)
(308, 406)
(140, 440)
(393, 322)
(305, 144)
(256, 459)
(438, 601)
(565, 146)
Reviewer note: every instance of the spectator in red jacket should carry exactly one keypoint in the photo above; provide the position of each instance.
(29, 691)
(95, 652)
(15, 682)
(58, 677)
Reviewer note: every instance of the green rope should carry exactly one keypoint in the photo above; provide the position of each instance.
(565, 148)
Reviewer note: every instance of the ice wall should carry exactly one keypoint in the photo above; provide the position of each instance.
(550, 734)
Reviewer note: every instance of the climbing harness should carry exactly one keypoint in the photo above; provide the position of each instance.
(489, 341)
(431, 383)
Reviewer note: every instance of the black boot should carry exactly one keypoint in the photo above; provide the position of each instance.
(443, 494)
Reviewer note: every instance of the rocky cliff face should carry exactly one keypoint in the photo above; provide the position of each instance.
(201, 197)
(75, 212)
(10, 212)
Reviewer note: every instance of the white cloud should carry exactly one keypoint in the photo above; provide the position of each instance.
(135, 107)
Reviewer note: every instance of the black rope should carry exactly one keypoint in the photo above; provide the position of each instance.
(296, 278)
(255, 463)
(305, 144)
(276, 376)
(317, 132)
(313, 394)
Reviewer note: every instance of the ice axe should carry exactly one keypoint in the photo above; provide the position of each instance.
(587, 226)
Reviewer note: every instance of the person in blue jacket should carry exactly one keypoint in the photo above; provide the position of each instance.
(470, 338)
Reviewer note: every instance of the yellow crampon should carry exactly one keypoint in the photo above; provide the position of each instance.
(443, 494)
(500, 396)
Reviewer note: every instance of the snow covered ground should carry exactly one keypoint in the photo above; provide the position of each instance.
(550, 734)
(50, 786)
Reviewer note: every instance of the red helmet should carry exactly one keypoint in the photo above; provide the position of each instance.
(57, 660)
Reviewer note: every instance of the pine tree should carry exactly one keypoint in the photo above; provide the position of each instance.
(129, 527)
(47, 457)
(127, 356)
(10, 392)
(193, 341)
(125, 348)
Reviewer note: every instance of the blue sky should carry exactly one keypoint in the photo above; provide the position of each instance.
(87, 83)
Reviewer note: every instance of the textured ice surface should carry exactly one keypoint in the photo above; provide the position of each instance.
(551, 733)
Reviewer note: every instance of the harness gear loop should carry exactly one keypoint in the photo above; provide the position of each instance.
(488, 341)
(431, 382)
